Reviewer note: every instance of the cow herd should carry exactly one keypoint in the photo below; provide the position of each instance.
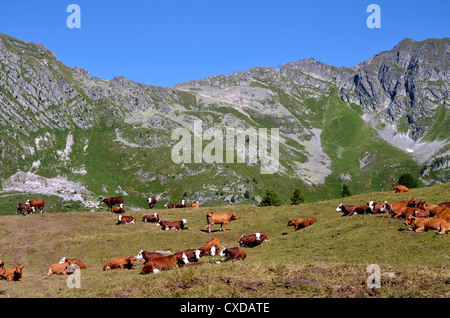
(419, 214)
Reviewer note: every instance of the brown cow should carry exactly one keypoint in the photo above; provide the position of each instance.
(398, 188)
(151, 218)
(36, 204)
(252, 240)
(177, 225)
(182, 204)
(219, 218)
(425, 224)
(58, 269)
(432, 209)
(302, 223)
(24, 209)
(444, 215)
(121, 262)
(126, 220)
(151, 202)
(146, 256)
(445, 204)
(73, 261)
(233, 254)
(210, 248)
(118, 209)
(194, 205)
(111, 201)
(11, 274)
(164, 263)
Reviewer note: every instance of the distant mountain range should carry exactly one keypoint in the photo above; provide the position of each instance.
(74, 139)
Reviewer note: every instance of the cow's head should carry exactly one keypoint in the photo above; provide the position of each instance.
(120, 218)
(385, 207)
(339, 208)
(371, 205)
(224, 252)
(121, 205)
(234, 216)
(213, 251)
(312, 220)
(28, 201)
(409, 219)
(290, 223)
(258, 236)
(184, 258)
(197, 254)
(183, 202)
(139, 256)
(19, 268)
(165, 205)
(150, 200)
(2, 263)
(63, 260)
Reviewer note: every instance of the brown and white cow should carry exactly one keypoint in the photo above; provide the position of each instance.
(233, 254)
(348, 210)
(219, 218)
(151, 202)
(126, 220)
(252, 240)
(11, 274)
(151, 218)
(176, 225)
(146, 256)
(36, 204)
(398, 188)
(302, 223)
(402, 211)
(425, 224)
(192, 254)
(118, 209)
(210, 248)
(121, 262)
(111, 201)
(164, 263)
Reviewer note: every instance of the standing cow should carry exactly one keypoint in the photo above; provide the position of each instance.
(219, 218)
(36, 204)
(111, 201)
(151, 202)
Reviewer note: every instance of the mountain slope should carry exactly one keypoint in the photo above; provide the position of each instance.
(74, 138)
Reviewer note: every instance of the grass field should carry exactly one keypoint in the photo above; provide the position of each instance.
(328, 259)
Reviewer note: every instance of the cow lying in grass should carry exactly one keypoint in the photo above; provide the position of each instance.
(425, 224)
(302, 223)
(252, 240)
(233, 254)
(121, 262)
(164, 263)
(11, 274)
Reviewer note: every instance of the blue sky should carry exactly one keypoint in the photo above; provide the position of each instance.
(172, 41)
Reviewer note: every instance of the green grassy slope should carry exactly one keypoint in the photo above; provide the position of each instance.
(328, 259)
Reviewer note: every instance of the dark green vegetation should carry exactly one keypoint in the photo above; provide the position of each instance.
(327, 259)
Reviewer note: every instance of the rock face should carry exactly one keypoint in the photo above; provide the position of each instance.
(368, 123)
